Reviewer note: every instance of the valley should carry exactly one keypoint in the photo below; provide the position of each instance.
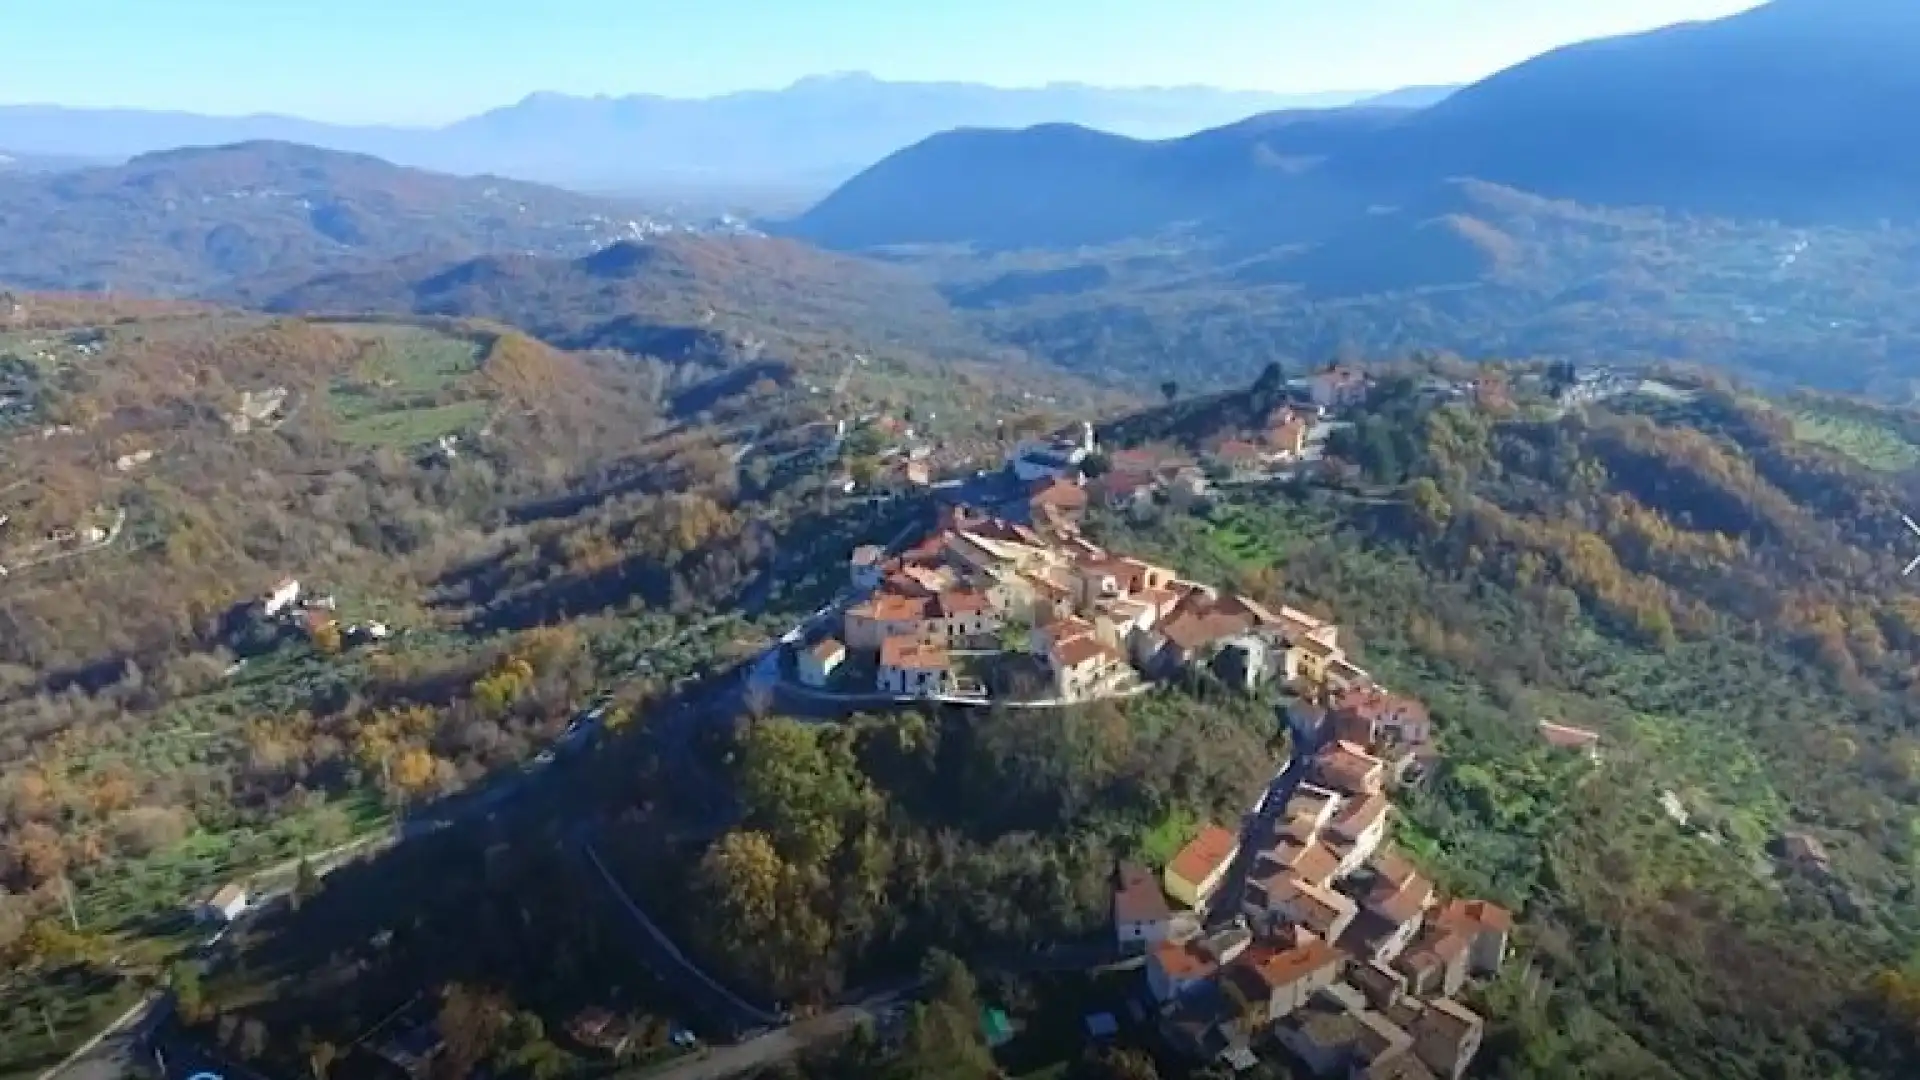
(1125, 586)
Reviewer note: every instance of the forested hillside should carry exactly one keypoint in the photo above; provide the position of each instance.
(1720, 599)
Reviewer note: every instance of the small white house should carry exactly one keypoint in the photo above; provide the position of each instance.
(226, 905)
(818, 664)
(283, 596)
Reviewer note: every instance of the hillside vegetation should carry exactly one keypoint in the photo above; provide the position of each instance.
(1722, 601)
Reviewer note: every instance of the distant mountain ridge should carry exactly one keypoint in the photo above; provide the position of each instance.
(819, 130)
(1784, 111)
(229, 221)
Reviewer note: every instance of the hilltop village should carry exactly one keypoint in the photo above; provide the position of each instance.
(1304, 931)
(1307, 931)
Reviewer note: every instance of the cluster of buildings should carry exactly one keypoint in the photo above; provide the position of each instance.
(1094, 622)
(314, 615)
(1326, 943)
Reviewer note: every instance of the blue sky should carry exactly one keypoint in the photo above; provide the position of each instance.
(424, 61)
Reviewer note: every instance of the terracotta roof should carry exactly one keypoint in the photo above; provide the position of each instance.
(1391, 866)
(828, 648)
(1321, 908)
(1184, 960)
(1075, 651)
(1436, 947)
(1239, 450)
(1059, 493)
(1204, 854)
(961, 602)
(1349, 768)
(1360, 816)
(1375, 703)
(890, 607)
(1123, 485)
(1137, 896)
(1316, 864)
(1398, 904)
(911, 654)
(1477, 915)
(1278, 970)
(1196, 626)
(1069, 627)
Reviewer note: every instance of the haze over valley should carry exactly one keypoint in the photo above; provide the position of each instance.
(908, 579)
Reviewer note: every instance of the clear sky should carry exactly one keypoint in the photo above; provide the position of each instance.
(424, 61)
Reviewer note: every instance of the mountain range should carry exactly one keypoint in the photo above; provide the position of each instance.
(1784, 111)
(811, 134)
(237, 221)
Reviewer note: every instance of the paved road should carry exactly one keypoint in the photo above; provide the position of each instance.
(110, 1054)
(1257, 833)
(784, 1043)
(664, 957)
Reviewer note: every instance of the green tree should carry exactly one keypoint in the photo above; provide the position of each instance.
(1170, 390)
(306, 884)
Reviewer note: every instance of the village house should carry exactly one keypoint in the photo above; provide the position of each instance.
(910, 667)
(1239, 457)
(1437, 962)
(225, 905)
(1337, 387)
(883, 617)
(817, 664)
(1369, 716)
(1277, 982)
(1282, 898)
(1177, 968)
(1446, 1036)
(1141, 915)
(1036, 459)
(1487, 927)
(1347, 768)
(282, 597)
(1395, 906)
(1057, 494)
(1287, 433)
(866, 566)
(963, 617)
(1333, 1038)
(1117, 489)
(1358, 830)
(1194, 874)
(1082, 666)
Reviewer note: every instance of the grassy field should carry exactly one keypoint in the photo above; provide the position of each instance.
(1161, 843)
(400, 394)
(1873, 445)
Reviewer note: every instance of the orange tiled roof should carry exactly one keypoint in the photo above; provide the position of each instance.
(910, 654)
(1075, 651)
(890, 607)
(1204, 854)
(961, 602)
(1279, 970)
(1478, 914)
(1183, 960)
